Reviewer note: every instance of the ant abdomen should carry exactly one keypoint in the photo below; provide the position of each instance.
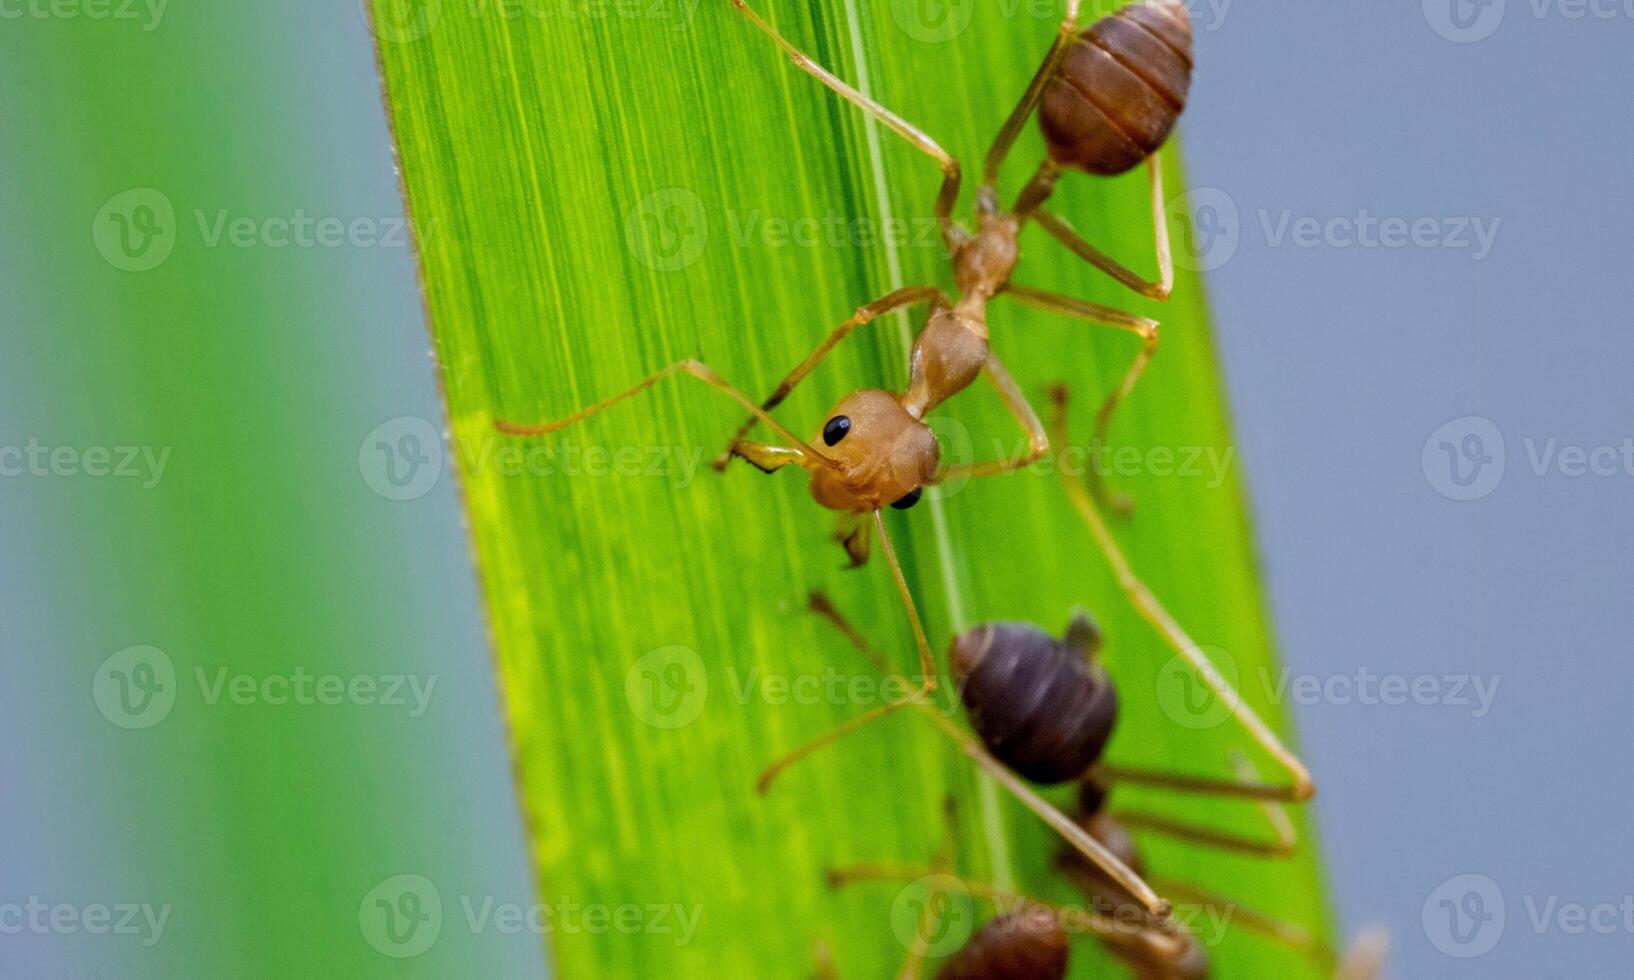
(1028, 944)
(1040, 703)
(1120, 89)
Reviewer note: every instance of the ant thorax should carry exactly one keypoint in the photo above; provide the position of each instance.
(983, 262)
(948, 356)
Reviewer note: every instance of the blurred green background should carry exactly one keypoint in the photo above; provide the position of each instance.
(204, 260)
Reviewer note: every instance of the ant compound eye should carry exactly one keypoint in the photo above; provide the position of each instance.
(836, 429)
(911, 499)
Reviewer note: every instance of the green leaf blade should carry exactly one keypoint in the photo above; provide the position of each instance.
(529, 145)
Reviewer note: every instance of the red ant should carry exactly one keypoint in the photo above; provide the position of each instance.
(1108, 97)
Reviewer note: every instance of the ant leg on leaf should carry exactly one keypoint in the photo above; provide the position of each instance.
(949, 194)
(1143, 327)
(1061, 231)
(1038, 440)
(1154, 612)
(1065, 36)
(823, 957)
(927, 666)
(800, 454)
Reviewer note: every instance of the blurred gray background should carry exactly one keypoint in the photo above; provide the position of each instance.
(1343, 361)
(1433, 415)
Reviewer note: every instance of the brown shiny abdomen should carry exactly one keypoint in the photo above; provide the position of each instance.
(1120, 89)
(1025, 945)
(1039, 705)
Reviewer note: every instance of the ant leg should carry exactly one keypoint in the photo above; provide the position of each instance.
(927, 660)
(770, 774)
(1110, 928)
(1145, 328)
(1064, 38)
(1038, 439)
(1153, 611)
(767, 458)
(927, 668)
(801, 455)
(929, 917)
(1160, 290)
(949, 194)
(1287, 933)
(1282, 847)
(819, 603)
(1286, 838)
(824, 959)
(864, 314)
(852, 532)
(1075, 835)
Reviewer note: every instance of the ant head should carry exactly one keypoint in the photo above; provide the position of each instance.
(881, 455)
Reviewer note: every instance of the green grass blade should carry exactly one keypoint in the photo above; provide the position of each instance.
(598, 196)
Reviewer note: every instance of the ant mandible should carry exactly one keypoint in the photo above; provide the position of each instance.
(878, 451)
